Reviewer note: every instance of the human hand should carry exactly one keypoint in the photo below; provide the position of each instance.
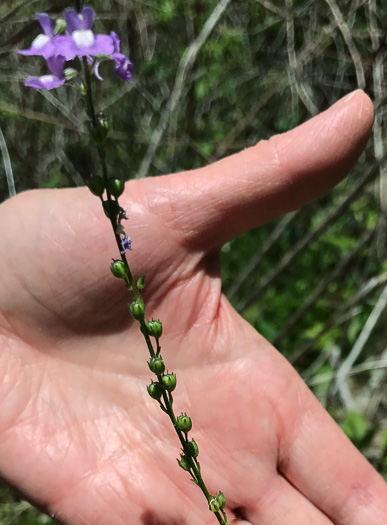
(79, 435)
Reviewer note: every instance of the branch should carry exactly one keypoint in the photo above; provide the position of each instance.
(296, 86)
(369, 287)
(7, 165)
(356, 59)
(359, 345)
(363, 367)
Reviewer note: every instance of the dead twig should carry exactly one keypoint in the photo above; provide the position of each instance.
(7, 165)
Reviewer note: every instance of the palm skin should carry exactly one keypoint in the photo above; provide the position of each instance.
(79, 435)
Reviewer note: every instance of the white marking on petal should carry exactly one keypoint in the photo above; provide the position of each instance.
(47, 78)
(83, 37)
(40, 41)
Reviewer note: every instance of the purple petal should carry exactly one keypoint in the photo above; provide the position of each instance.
(101, 45)
(124, 67)
(72, 20)
(116, 42)
(43, 46)
(45, 22)
(125, 244)
(64, 45)
(44, 82)
(88, 17)
(55, 65)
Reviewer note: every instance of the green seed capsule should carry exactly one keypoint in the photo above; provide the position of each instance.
(221, 500)
(96, 185)
(184, 423)
(214, 505)
(141, 282)
(193, 448)
(118, 269)
(155, 391)
(115, 186)
(137, 309)
(100, 129)
(155, 328)
(183, 463)
(111, 209)
(169, 382)
(156, 365)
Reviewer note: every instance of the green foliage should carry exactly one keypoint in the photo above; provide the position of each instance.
(14, 511)
(354, 426)
(359, 431)
(167, 10)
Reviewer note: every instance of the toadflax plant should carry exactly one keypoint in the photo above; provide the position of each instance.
(73, 40)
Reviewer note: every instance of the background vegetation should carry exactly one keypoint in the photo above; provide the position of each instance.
(212, 77)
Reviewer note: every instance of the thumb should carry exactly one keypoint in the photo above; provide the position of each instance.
(214, 204)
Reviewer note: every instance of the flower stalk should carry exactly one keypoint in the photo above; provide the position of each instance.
(166, 383)
(80, 42)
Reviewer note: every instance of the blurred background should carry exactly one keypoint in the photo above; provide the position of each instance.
(212, 77)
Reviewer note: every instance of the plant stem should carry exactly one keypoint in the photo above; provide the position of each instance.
(130, 284)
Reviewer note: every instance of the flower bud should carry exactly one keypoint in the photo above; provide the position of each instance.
(100, 129)
(155, 328)
(96, 185)
(155, 391)
(60, 26)
(115, 186)
(184, 423)
(137, 309)
(193, 448)
(156, 365)
(183, 463)
(70, 73)
(169, 382)
(141, 282)
(118, 269)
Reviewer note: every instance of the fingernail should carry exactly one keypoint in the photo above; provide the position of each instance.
(348, 97)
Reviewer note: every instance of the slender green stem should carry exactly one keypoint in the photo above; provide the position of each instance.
(102, 158)
(193, 464)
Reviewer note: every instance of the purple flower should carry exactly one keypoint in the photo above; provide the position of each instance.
(125, 244)
(124, 66)
(81, 41)
(44, 44)
(56, 79)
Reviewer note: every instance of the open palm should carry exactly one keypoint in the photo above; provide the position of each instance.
(79, 435)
